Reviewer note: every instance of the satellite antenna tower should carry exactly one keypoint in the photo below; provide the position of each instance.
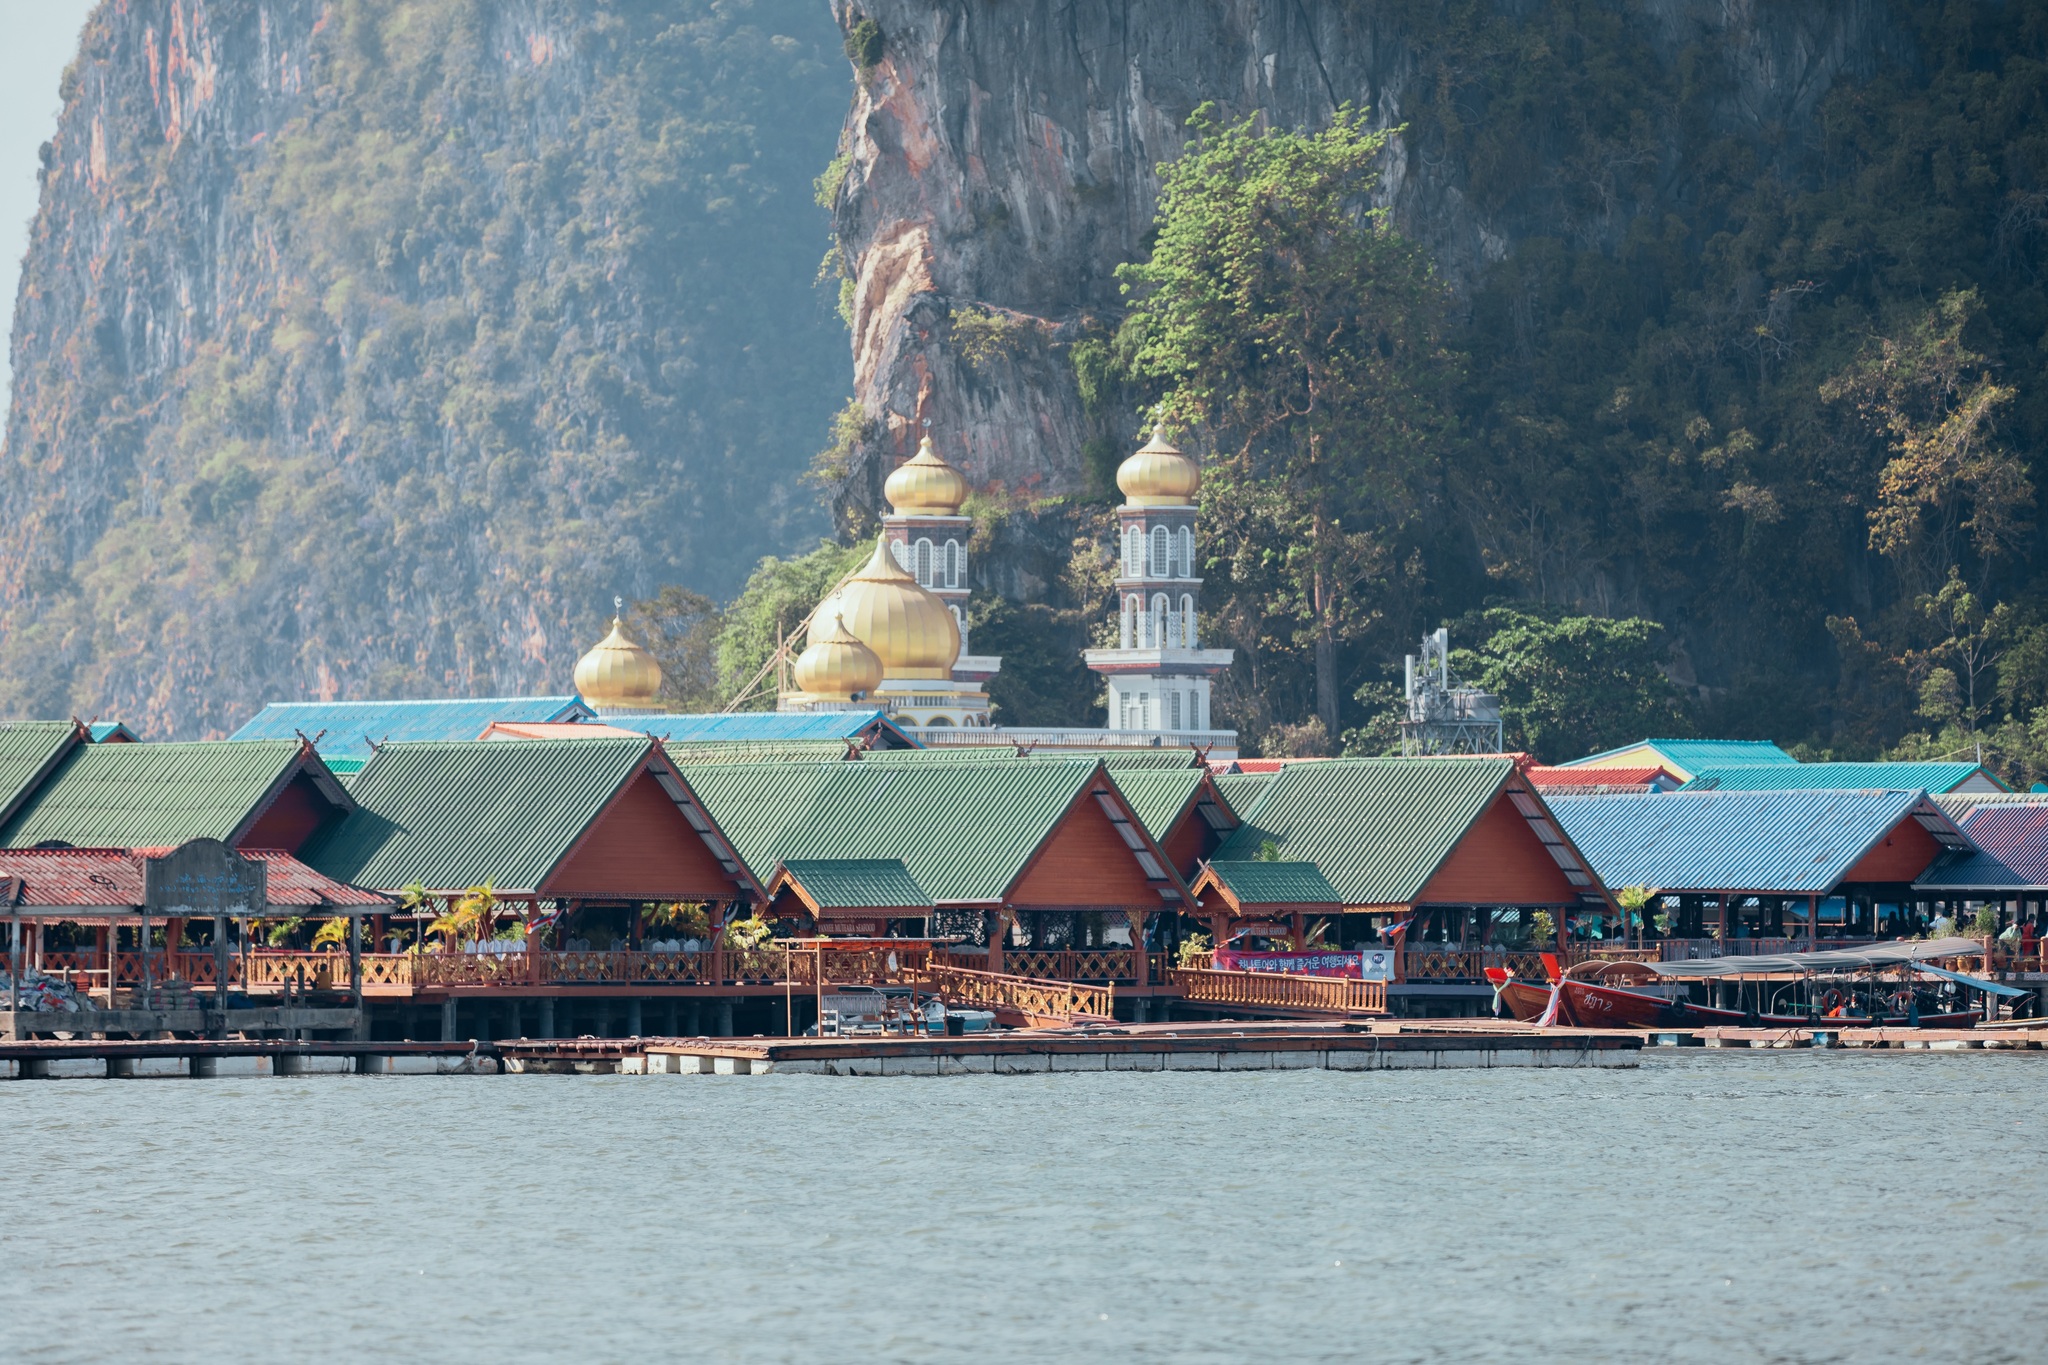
(1443, 717)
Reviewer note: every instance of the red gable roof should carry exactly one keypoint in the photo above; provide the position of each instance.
(110, 879)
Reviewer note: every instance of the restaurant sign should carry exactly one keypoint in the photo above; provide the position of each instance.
(1370, 964)
(204, 877)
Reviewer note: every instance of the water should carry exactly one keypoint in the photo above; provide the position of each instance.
(1809, 1207)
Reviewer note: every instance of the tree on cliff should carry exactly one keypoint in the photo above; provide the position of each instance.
(1284, 318)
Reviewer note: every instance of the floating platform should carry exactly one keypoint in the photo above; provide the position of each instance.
(1383, 1045)
(1999, 1039)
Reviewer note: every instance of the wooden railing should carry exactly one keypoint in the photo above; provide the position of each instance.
(1430, 962)
(1042, 1003)
(1273, 991)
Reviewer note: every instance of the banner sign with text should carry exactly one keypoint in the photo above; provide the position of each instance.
(1372, 964)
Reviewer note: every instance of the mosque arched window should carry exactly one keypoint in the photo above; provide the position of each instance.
(956, 565)
(1187, 552)
(1159, 610)
(901, 549)
(924, 563)
(1134, 553)
(1124, 623)
(1162, 552)
(1173, 716)
(1194, 710)
(1187, 620)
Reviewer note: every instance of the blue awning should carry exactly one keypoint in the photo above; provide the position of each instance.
(1974, 983)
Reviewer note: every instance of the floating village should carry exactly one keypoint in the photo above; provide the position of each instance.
(876, 878)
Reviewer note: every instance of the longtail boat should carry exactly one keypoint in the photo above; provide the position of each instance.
(1609, 995)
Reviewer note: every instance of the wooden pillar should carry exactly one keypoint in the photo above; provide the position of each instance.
(1297, 929)
(1141, 964)
(14, 973)
(998, 931)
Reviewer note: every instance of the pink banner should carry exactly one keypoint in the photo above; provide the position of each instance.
(1372, 964)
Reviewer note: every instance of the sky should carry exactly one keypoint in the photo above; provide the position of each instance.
(41, 37)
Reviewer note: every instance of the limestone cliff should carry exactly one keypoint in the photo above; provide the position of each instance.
(368, 347)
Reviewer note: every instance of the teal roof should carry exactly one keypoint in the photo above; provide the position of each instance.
(858, 883)
(1378, 828)
(1691, 755)
(156, 795)
(1938, 778)
(964, 831)
(759, 751)
(754, 727)
(449, 816)
(354, 728)
(29, 753)
(112, 732)
(1266, 883)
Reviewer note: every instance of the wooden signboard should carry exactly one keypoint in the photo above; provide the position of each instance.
(204, 877)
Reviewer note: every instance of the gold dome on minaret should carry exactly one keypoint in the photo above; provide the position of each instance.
(910, 630)
(926, 485)
(1159, 475)
(835, 665)
(617, 674)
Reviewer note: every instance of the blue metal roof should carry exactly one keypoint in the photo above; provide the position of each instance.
(112, 732)
(757, 726)
(1938, 778)
(1795, 842)
(1691, 755)
(352, 727)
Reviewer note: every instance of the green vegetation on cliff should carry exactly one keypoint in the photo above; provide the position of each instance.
(386, 373)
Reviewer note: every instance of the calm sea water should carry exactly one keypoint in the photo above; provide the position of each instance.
(1723, 1207)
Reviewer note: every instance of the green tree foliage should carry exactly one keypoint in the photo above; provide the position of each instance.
(1283, 319)
(680, 629)
(778, 597)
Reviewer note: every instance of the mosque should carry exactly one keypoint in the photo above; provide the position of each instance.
(893, 635)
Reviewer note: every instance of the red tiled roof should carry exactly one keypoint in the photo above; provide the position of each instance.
(111, 878)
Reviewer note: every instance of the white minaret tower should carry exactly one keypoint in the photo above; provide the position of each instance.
(1158, 674)
(929, 538)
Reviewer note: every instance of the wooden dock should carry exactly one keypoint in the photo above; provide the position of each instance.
(1895, 1039)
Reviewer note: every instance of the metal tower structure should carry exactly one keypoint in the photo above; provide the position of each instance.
(1443, 718)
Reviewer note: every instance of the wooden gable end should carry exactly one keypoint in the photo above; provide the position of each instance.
(1901, 856)
(640, 847)
(1499, 861)
(1191, 840)
(1083, 864)
(294, 817)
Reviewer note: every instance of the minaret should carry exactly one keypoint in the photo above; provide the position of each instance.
(1158, 675)
(929, 538)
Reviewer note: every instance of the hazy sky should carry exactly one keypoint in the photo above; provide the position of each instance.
(41, 36)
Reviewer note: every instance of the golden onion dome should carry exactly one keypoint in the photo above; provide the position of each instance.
(926, 485)
(910, 630)
(1159, 475)
(618, 675)
(835, 665)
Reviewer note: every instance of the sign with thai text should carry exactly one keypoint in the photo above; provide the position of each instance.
(1371, 964)
(205, 877)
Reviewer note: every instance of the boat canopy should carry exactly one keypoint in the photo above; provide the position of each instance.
(1975, 983)
(1830, 959)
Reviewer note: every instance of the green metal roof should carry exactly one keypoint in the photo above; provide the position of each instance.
(1158, 796)
(1262, 883)
(1377, 827)
(1936, 778)
(1242, 790)
(1006, 752)
(964, 831)
(858, 883)
(449, 815)
(153, 795)
(29, 752)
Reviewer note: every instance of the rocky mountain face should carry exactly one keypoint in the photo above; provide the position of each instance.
(1003, 164)
(369, 347)
(1666, 223)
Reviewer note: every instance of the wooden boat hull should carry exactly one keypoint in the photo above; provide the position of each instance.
(1586, 1005)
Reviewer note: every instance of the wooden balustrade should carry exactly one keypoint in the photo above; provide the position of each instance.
(1288, 993)
(1430, 962)
(1044, 1004)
